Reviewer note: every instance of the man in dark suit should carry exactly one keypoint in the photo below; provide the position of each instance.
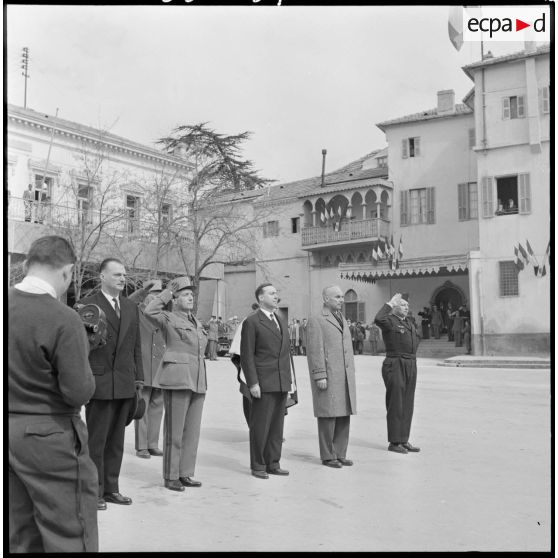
(399, 370)
(118, 371)
(265, 360)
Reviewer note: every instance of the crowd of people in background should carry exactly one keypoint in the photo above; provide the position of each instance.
(455, 323)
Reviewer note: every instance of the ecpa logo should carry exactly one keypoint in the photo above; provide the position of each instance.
(512, 23)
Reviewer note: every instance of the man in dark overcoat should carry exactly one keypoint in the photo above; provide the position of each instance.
(399, 370)
(265, 360)
(118, 371)
(148, 427)
(332, 377)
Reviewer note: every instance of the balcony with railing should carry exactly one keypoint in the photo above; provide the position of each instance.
(348, 231)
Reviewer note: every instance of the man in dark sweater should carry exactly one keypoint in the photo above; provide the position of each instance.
(52, 480)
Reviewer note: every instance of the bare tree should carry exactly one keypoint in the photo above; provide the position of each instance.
(215, 225)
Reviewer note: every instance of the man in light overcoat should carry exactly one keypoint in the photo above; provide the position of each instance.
(332, 377)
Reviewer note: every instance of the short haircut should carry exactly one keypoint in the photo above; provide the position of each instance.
(325, 289)
(261, 288)
(255, 306)
(52, 251)
(106, 261)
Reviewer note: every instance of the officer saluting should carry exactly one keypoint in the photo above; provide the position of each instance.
(399, 370)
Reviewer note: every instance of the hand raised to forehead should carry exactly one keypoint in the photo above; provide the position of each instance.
(395, 299)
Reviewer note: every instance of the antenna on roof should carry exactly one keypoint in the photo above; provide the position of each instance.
(324, 153)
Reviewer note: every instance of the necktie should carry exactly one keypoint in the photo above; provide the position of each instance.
(191, 318)
(116, 307)
(339, 318)
(274, 320)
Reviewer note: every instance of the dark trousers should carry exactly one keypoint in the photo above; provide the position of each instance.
(267, 417)
(400, 378)
(52, 484)
(106, 421)
(333, 435)
(246, 406)
(148, 427)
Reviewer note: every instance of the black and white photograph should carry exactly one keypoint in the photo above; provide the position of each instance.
(309, 245)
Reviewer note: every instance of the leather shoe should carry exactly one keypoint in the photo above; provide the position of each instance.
(174, 485)
(190, 483)
(143, 453)
(260, 474)
(155, 451)
(332, 463)
(345, 462)
(117, 498)
(410, 447)
(101, 504)
(397, 448)
(278, 471)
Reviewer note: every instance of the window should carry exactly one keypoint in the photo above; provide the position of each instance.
(132, 213)
(84, 204)
(165, 214)
(382, 162)
(467, 201)
(513, 107)
(410, 147)
(509, 282)
(39, 191)
(472, 138)
(271, 228)
(513, 195)
(544, 99)
(352, 308)
(418, 206)
(295, 225)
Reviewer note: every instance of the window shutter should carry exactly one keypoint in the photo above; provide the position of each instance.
(462, 201)
(430, 206)
(544, 105)
(360, 312)
(520, 106)
(524, 194)
(417, 147)
(404, 208)
(404, 148)
(487, 197)
(506, 108)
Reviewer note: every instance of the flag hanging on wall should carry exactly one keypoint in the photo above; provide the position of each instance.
(323, 217)
(517, 259)
(542, 270)
(523, 254)
(374, 255)
(380, 254)
(400, 249)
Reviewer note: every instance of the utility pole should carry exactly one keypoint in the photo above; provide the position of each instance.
(25, 67)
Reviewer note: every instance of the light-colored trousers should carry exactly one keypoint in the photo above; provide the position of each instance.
(148, 427)
(181, 432)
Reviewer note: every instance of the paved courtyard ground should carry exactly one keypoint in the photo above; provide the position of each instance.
(482, 481)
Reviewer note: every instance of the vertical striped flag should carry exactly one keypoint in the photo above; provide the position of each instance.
(322, 217)
(331, 214)
(524, 255)
(374, 254)
(542, 271)
(517, 260)
(339, 211)
(532, 257)
(392, 246)
(380, 254)
(400, 249)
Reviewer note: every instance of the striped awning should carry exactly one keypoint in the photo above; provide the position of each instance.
(419, 267)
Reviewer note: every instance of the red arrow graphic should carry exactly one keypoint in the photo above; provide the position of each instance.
(519, 25)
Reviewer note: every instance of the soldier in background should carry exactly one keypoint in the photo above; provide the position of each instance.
(52, 502)
(148, 428)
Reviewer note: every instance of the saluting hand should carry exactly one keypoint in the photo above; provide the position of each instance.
(395, 300)
(148, 284)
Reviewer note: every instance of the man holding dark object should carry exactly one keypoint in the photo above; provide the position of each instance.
(265, 360)
(147, 429)
(118, 371)
(399, 370)
(52, 502)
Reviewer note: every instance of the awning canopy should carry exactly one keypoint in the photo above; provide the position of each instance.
(419, 267)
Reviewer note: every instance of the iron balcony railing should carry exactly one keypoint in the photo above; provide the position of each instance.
(366, 229)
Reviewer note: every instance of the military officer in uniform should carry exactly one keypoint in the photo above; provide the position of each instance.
(182, 377)
(153, 346)
(399, 370)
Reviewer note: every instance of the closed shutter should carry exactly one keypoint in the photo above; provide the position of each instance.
(417, 147)
(472, 138)
(524, 193)
(520, 107)
(430, 206)
(360, 312)
(506, 108)
(404, 148)
(462, 199)
(544, 104)
(487, 197)
(404, 208)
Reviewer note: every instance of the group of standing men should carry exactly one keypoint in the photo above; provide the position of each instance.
(52, 374)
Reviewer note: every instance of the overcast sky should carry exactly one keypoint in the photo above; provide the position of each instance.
(300, 78)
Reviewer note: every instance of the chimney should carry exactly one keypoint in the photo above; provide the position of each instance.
(324, 152)
(446, 101)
